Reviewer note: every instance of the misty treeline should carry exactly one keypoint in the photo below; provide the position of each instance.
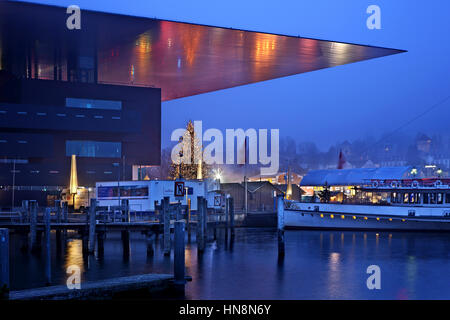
(387, 150)
(300, 156)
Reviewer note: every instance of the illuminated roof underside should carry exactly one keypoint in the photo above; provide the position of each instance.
(183, 59)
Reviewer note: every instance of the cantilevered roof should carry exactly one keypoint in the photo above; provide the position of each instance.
(182, 59)
(353, 177)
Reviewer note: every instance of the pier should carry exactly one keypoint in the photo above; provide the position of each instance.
(97, 289)
(170, 222)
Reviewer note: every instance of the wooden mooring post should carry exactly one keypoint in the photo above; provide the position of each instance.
(33, 225)
(125, 211)
(166, 219)
(150, 237)
(205, 221)
(92, 224)
(280, 225)
(58, 220)
(101, 235)
(231, 213)
(25, 217)
(65, 212)
(48, 260)
(200, 225)
(4, 264)
(58, 211)
(179, 258)
(188, 219)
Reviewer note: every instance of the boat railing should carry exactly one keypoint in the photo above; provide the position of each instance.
(431, 183)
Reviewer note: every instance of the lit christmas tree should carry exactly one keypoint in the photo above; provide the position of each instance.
(188, 147)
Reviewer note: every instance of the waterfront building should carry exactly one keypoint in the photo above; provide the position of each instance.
(96, 92)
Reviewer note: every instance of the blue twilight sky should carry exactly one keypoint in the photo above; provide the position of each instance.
(326, 106)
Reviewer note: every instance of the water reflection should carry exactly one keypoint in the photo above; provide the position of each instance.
(74, 254)
(246, 265)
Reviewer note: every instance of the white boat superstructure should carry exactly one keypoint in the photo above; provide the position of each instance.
(379, 205)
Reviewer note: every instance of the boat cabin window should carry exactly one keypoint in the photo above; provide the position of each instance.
(440, 198)
(405, 198)
(447, 197)
(394, 197)
(426, 198)
(418, 197)
(432, 198)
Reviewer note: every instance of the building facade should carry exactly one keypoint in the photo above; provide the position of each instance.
(93, 91)
(43, 123)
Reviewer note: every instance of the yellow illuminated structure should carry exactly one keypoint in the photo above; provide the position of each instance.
(73, 185)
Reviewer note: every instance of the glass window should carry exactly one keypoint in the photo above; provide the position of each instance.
(95, 149)
(125, 192)
(393, 197)
(426, 198)
(433, 198)
(93, 104)
(418, 195)
(405, 198)
(440, 198)
(447, 198)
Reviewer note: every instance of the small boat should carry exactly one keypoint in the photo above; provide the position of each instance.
(407, 204)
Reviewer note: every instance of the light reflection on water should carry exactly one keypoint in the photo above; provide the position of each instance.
(317, 265)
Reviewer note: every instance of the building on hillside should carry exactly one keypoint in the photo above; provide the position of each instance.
(279, 178)
(423, 143)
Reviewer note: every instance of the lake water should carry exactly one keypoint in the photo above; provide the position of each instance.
(317, 265)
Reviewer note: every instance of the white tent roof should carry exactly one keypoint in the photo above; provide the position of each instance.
(351, 177)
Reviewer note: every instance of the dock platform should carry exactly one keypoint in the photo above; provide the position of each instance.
(100, 288)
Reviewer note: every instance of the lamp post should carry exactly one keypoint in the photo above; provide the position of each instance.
(116, 164)
(181, 156)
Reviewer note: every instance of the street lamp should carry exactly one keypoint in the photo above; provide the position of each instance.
(117, 164)
(181, 156)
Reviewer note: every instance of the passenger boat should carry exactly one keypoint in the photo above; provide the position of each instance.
(407, 204)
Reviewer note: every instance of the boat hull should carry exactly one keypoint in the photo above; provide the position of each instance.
(296, 219)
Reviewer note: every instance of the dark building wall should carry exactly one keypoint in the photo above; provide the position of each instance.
(35, 125)
(260, 196)
(138, 103)
(236, 191)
